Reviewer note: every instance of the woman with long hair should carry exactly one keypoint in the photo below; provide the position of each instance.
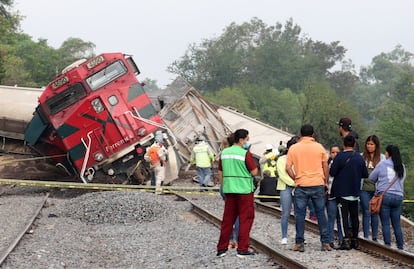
(372, 156)
(285, 185)
(383, 175)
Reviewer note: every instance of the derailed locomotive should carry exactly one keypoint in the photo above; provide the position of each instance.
(95, 117)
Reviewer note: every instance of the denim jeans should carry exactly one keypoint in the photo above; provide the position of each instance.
(391, 210)
(204, 174)
(235, 234)
(331, 209)
(286, 204)
(301, 197)
(368, 219)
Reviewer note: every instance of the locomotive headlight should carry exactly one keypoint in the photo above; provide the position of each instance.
(141, 131)
(97, 105)
(99, 157)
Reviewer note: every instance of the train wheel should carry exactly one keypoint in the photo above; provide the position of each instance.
(140, 175)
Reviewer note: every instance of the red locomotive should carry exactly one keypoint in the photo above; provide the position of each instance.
(95, 117)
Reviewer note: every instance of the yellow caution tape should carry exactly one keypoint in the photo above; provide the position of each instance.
(212, 191)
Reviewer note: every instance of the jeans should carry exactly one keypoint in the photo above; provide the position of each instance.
(301, 197)
(235, 234)
(286, 204)
(368, 218)
(391, 209)
(204, 174)
(331, 208)
(312, 212)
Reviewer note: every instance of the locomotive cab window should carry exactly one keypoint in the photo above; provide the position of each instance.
(66, 98)
(106, 75)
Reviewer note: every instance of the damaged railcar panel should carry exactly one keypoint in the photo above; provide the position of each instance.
(191, 116)
(17, 105)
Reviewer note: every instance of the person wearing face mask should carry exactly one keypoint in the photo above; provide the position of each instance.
(236, 170)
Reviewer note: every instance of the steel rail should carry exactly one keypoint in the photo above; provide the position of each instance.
(19, 237)
(278, 257)
(372, 248)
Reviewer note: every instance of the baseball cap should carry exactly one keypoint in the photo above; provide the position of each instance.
(269, 147)
(345, 122)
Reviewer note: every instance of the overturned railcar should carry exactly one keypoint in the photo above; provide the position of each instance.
(188, 115)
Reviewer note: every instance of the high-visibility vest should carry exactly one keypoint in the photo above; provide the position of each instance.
(270, 164)
(236, 178)
(202, 156)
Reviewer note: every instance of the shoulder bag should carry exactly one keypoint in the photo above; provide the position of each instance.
(376, 200)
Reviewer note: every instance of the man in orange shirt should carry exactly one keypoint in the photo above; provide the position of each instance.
(307, 164)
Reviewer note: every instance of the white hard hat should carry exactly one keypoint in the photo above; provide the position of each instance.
(269, 147)
(201, 138)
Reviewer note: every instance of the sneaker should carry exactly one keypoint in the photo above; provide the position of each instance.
(345, 245)
(283, 241)
(313, 218)
(299, 247)
(326, 247)
(221, 253)
(243, 254)
(355, 244)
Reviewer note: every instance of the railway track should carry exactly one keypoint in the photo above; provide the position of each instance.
(374, 254)
(265, 236)
(393, 256)
(14, 233)
(278, 257)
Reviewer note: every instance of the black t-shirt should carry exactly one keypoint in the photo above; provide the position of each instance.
(268, 187)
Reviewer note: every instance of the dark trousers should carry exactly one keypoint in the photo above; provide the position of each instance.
(241, 205)
(348, 210)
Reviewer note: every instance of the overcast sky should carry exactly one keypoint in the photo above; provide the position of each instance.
(157, 32)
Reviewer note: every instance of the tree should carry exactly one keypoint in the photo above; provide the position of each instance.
(73, 49)
(322, 108)
(255, 53)
(232, 97)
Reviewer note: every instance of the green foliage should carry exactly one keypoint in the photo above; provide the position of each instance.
(232, 97)
(254, 53)
(393, 76)
(322, 108)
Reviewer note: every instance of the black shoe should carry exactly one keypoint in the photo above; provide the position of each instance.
(346, 245)
(374, 239)
(355, 244)
(221, 253)
(243, 254)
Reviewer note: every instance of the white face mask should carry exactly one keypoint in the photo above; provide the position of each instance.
(247, 145)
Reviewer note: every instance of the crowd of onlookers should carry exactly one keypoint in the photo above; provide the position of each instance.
(301, 176)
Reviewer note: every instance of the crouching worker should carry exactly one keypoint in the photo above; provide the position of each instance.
(268, 187)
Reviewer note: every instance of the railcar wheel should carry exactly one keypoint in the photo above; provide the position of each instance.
(140, 175)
